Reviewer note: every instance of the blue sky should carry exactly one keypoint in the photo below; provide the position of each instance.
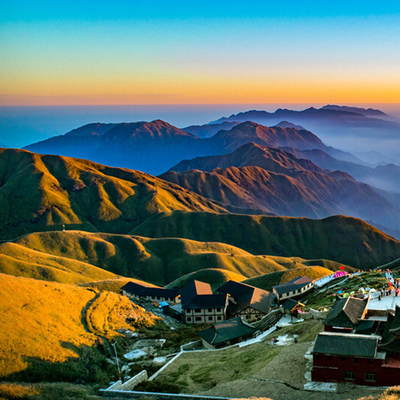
(162, 52)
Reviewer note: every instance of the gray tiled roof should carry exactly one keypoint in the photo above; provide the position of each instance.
(293, 284)
(246, 296)
(346, 312)
(346, 344)
(227, 330)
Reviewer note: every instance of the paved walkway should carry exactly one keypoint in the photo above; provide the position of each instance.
(386, 302)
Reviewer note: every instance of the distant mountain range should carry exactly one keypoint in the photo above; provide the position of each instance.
(274, 181)
(156, 146)
(43, 193)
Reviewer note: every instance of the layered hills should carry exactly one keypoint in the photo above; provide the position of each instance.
(156, 146)
(42, 192)
(338, 238)
(275, 181)
(82, 257)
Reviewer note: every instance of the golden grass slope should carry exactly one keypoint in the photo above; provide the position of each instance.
(42, 192)
(44, 322)
(159, 261)
(342, 239)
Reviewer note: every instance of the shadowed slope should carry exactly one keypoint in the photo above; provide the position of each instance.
(40, 192)
(342, 239)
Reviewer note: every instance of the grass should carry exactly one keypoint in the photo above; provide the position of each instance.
(83, 258)
(110, 311)
(43, 335)
(43, 192)
(201, 371)
(342, 239)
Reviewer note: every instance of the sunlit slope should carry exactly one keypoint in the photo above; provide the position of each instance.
(43, 192)
(43, 331)
(338, 238)
(96, 259)
(19, 260)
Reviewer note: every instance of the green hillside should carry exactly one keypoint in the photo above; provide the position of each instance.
(43, 192)
(105, 261)
(338, 238)
(215, 277)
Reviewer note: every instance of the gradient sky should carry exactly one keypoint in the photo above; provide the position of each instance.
(175, 52)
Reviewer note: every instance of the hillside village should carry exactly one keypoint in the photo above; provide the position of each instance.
(357, 345)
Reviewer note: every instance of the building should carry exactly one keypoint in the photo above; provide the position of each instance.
(346, 314)
(295, 288)
(226, 333)
(151, 293)
(245, 301)
(292, 307)
(200, 305)
(348, 357)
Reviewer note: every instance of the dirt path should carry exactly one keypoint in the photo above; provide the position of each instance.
(103, 339)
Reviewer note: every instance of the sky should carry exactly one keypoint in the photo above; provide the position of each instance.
(209, 52)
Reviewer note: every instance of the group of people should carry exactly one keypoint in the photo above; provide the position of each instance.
(392, 288)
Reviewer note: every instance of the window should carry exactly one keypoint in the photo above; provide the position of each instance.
(219, 318)
(197, 319)
(370, 377)
(356, 361)
(197, 311)
(349, 375)
(210, 318)
(210, 310)
(189, 319)
(318, 357)
(343, 358)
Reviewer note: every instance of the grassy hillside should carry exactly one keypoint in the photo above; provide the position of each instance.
(215, 277)
(84, 255)
(110, 285)
(341, 239)
(20, 260)
(43, 192)
(46, 330)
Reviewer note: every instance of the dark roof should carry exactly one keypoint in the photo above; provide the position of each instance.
(294, 284)
(346, 344)
(346, 312)
(235, 289)
(390, 341)
(365, 327)
(227, 330)
(144, 289)
(289, 304)
(193, 289)
(395, 323)
(246, 296)
(206, 301)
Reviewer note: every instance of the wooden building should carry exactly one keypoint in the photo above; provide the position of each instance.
(151, 293)
(346, 314)
(200, 305)
(226, 333)
(245, 301)
(295, 288)
(292, 307)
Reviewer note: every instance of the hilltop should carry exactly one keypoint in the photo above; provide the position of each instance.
(43, 192)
